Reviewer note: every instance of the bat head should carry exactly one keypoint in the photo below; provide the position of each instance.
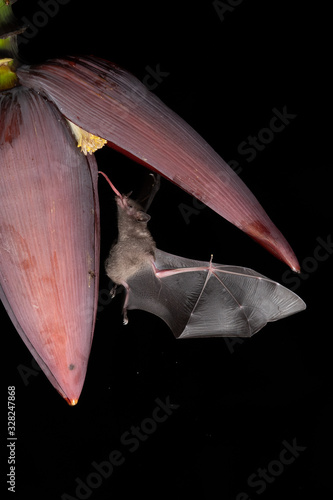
(132, 209)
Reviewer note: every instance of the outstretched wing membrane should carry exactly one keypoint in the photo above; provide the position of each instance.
(203, 299)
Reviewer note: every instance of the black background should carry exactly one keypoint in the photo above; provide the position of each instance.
(237, 404)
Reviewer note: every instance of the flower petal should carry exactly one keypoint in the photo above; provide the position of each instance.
(49, 240)
(109, 102)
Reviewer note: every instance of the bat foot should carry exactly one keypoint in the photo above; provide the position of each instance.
(113, 292)
(125, 318)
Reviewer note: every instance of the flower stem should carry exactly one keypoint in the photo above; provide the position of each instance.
(8, 78)
(9, 29)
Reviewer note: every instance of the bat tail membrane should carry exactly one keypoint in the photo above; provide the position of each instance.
(212, 300)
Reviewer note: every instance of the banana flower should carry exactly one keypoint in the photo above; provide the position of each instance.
(49, 209)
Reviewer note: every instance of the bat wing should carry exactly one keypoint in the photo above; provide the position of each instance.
(203, 299)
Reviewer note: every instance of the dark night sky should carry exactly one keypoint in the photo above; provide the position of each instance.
(236, 407)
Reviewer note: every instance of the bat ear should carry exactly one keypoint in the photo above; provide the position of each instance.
(142, 216)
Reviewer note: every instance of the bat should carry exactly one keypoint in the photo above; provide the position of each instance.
(194, 298)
